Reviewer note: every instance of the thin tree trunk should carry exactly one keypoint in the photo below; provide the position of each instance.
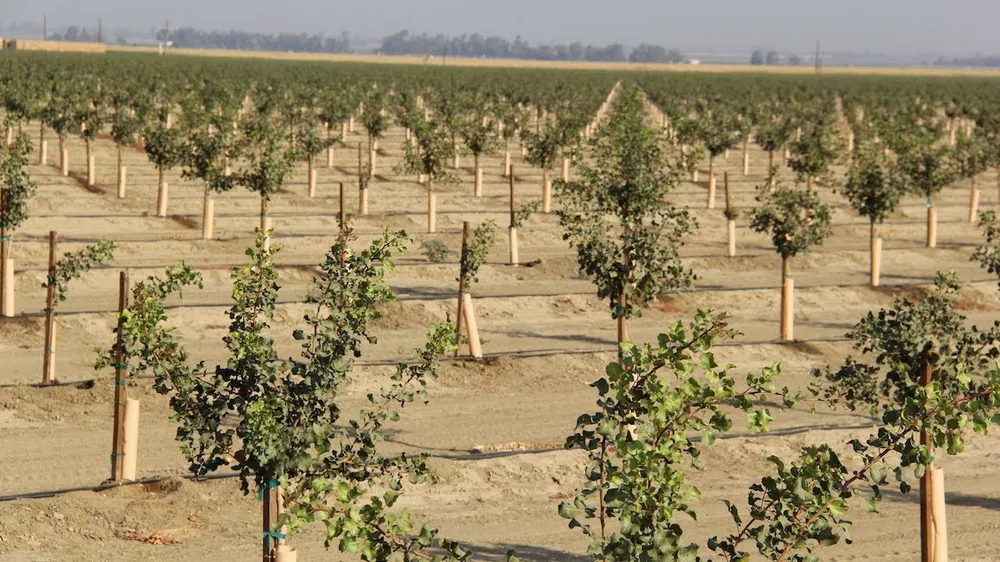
(269, 517)
(926, 523)
(461, 287)
(787, 295)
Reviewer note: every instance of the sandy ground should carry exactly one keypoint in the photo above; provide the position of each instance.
(546, 335)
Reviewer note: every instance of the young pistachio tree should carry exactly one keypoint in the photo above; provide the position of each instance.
(511, 119)
(335, 107)
(543, 149)
(69, 267)
(266, 171)
(920, 356)
(988, 255)
(774, 132)
(475, 249)
(127, 120)
(797, 220)
(277, 420)
(745, 122)
(973, 157)
(688, 132)
(719, 133)
(616, 215)
(16, 189)
(479, 133)
(874, 190)
(932, 382)
(642, 440)
(310, 143)
(165, 150)
(63, 114)
(93, 117)
(406, 110)
(926, 168)
(375, 121)
(23, 101)
(818, 148)
(426, 155)
(210, 144)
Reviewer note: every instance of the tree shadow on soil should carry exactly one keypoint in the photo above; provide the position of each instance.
(564, 337)
(956, 499)
(526, 553)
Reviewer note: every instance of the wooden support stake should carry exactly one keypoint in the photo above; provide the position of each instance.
(938, 516)
(477, 188)
(431, 209)
(926, 501)
(746, 163)
(546, 192)
(461, 287)
(787, 301)
(514, 258)
(329, 157)
(931, 227)
(208, 218)
(122, 181)
(475, 346)
(506, 162)
(43, 153)
(131, 440)
(342, 218)
(730, 224)
(64, 162)
(876, 259)
(48, 360)
(311, 180)
(121, 394)
(565, 169)
(361, 166)
(731, 238)
(974, 201)
(6, 267)
(269, 517)
(121, 172)
(91, 170)
(162, 196)
(711, 189)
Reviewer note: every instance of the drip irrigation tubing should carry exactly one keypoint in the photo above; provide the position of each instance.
(445, 294)
(468, 457)
(525, 354)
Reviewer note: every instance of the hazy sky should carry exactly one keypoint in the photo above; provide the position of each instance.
(887, 26)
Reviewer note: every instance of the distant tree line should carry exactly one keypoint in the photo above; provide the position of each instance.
(494, 47)
(189, 37)
(74, 33)
(403, 43)
(760, 57)
(991, 61)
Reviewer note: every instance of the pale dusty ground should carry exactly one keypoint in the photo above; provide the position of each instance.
(548, 334)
